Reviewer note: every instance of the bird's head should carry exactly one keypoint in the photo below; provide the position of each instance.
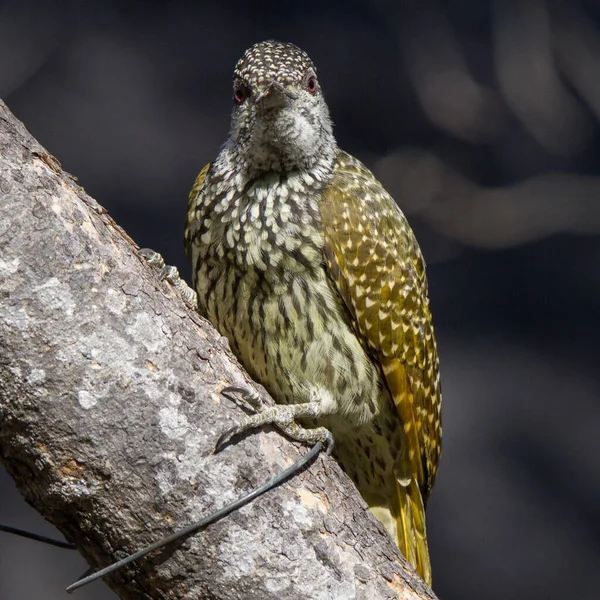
(280, 119)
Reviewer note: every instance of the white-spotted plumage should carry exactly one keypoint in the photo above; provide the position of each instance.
(306, 264)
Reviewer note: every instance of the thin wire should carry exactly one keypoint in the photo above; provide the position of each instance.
(277, 480)
(37, 537)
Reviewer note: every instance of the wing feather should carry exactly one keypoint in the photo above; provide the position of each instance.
(191, 212)
(378, 268)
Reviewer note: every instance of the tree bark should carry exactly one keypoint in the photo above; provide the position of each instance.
(110, 408)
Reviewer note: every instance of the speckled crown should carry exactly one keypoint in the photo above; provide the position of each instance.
(266, 61)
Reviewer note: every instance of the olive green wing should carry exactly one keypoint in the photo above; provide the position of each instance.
(377, 265)
(191, 210)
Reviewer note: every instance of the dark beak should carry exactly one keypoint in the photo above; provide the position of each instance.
(275, 85)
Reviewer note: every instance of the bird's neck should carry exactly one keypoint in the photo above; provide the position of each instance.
(271, 164)
(269, 147)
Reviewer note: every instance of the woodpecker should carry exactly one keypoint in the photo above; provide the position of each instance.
(310, 269)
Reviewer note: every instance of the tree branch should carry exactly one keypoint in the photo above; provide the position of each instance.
(110, 407)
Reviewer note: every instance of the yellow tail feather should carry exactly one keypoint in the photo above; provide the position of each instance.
(410, 530)
(404, 518)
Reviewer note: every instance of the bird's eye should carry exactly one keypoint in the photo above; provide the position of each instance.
(239, 94)
(311, 84)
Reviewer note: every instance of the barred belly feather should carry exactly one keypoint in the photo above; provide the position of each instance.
(262, 282)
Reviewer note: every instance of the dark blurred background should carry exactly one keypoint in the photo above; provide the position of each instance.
(482, 119)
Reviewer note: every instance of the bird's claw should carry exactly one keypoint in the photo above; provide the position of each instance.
(224, 438)
(170, 274)
(157, 262)
(247, 397)
(153, 258)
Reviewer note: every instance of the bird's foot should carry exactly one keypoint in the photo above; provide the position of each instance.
(170, 274)
(281, 416)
